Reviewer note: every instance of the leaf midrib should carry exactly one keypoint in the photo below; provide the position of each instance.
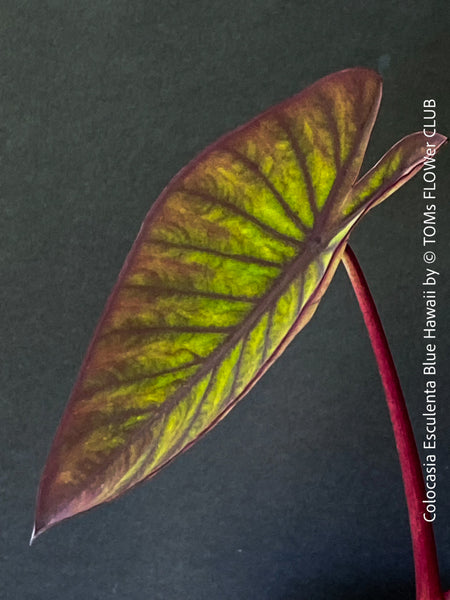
(266, 302)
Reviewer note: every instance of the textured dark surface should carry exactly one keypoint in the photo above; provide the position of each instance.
(293, 496)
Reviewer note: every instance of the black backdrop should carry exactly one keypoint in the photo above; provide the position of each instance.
(297, 493)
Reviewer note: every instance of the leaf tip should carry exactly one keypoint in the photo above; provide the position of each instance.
(442, 140)
(48, 513)
(42, 525)
(39, 528)
(34, 534)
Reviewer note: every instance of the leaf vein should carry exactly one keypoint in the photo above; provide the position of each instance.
(174, 291)
(249, 217)
(144, 377)
(238, 257)
(269, 185)
(301, 161)
(134, 331)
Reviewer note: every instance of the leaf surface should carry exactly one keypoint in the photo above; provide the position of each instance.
(229, 265)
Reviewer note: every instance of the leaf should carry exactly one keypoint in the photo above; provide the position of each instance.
(229, 265)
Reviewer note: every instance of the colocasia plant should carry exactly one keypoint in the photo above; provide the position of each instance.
(229, 265)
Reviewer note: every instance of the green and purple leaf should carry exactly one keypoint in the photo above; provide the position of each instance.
(229, 265)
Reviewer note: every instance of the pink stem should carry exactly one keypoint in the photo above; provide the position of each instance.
(424, 547)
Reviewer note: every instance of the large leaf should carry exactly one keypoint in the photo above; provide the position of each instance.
(229, 265)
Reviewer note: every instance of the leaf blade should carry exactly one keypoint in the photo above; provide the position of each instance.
(246, 237)
(394, 169)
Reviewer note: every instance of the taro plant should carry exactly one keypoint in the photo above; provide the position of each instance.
(229, 265)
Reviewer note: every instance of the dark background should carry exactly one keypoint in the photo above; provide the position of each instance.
(297, 494)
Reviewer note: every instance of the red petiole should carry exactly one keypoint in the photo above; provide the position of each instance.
(424, 548)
